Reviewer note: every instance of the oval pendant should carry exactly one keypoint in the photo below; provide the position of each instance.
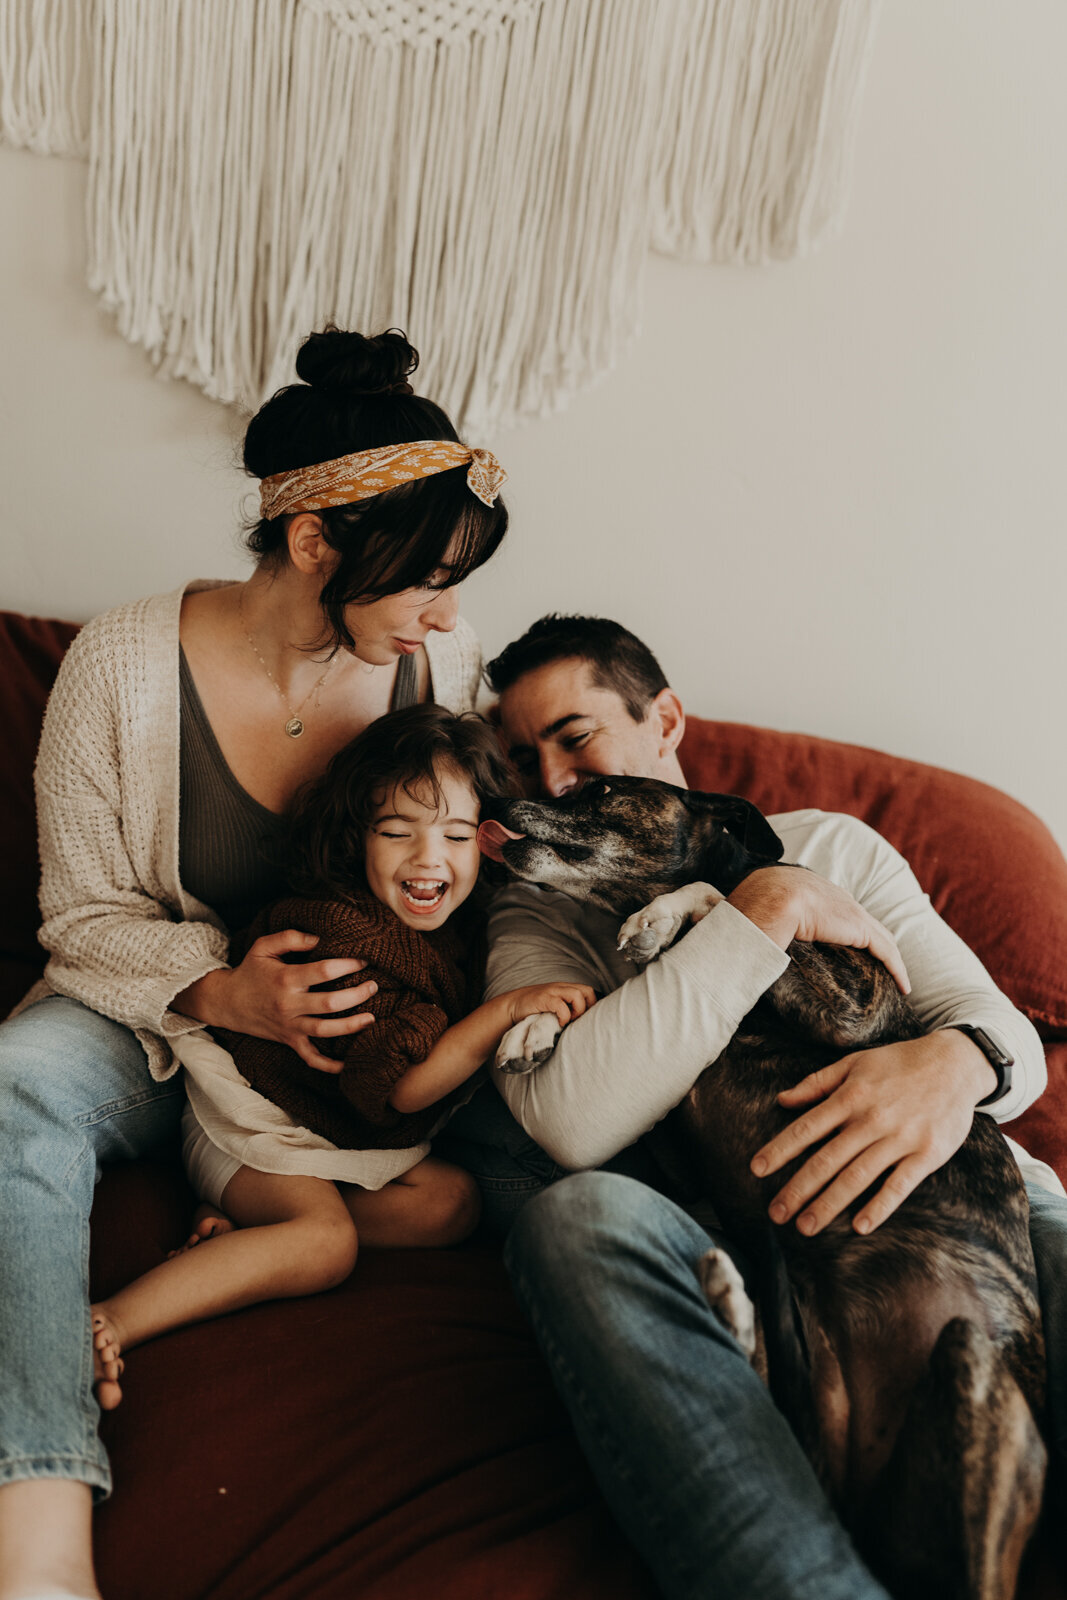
(294, 727)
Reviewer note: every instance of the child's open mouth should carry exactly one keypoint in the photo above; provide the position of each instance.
(422, 894)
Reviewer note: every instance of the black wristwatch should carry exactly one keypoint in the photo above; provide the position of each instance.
(998, 1059)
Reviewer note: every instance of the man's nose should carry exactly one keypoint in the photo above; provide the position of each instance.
(558, 776)
(443, 610)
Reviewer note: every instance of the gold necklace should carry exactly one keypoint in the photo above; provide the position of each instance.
(294, 727)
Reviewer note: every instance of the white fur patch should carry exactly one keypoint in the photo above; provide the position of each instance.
(649, 932)
(528, 1043)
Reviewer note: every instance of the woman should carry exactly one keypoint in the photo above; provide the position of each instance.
(229, 696)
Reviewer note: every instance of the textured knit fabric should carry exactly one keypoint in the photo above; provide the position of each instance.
(124, 933)
(426, 982)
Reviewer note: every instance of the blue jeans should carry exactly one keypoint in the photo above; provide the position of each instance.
(509, 1168)
(75, 1090)
(691, 1454)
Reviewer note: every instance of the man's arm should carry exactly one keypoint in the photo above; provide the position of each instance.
(616, 1071)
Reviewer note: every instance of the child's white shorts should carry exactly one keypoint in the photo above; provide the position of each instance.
(209, 1169)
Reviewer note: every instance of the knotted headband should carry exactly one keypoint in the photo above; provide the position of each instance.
(369, 472)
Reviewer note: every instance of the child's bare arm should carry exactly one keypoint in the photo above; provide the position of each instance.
(463, 1048)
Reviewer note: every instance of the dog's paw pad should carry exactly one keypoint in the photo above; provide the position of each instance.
(639, 947)
(642, 937)
(725, 1292)
(528, 1043)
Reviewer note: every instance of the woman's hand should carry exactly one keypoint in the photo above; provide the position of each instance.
(270, 998)
(901, 1109)
(564, 1000)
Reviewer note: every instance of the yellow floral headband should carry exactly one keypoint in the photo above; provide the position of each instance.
(370, 472)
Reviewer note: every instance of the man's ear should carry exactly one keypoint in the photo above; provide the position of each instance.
(492, 714)
(308, 549)
(666, 708)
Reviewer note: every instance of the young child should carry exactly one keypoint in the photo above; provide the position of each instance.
(384, 862)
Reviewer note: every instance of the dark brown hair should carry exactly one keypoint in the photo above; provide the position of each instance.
(356, 396)
(406, 749)
(618, 659)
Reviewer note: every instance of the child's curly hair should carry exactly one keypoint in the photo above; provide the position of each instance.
(406, 749)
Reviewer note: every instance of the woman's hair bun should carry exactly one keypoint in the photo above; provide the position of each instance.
(334, 359)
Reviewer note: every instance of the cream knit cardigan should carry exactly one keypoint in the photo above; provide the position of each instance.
(123, 934)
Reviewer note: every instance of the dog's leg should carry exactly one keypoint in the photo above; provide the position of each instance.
(650, 931)
(952, 1511)
(725, 1292)
(528, 1043)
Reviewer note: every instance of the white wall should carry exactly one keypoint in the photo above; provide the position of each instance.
(829, 493)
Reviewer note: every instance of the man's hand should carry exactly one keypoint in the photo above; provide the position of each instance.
(901, 1109)
(790, 903)
(270, 999)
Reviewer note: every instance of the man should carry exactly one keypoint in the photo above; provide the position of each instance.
(693, 1458)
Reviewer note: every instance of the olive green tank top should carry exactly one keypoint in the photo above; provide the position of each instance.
(230, 846)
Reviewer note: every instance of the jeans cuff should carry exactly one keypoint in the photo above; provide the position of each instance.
(73, 1468)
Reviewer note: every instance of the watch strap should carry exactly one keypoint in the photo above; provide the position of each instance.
(998, 1059)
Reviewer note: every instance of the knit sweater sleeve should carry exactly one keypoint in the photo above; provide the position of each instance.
(114, 944)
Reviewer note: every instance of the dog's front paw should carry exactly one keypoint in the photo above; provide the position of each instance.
(647, 933)
(725, 1292)
(528, 1043)
(644, 935)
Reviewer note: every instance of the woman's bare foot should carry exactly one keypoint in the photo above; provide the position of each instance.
(208, 1223)
(107, 1359)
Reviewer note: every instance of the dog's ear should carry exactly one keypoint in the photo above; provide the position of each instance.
(742, 819)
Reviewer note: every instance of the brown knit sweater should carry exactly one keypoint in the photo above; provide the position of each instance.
(426, 982)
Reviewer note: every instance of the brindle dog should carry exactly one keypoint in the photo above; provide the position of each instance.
(910, 1362)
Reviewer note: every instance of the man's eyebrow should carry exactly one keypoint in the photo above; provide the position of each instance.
(547, 732)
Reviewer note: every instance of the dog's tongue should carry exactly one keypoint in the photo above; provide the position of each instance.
(491, 836)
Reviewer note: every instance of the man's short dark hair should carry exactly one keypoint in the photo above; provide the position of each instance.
(618, 659)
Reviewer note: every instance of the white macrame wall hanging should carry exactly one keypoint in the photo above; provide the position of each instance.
(487, 174)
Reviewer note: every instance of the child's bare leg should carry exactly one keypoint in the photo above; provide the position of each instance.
(433, 1204)
(294, 1235)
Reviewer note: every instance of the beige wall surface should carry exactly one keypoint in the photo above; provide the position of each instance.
(829, 493)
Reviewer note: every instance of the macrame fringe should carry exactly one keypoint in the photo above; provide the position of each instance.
(255, 169)
(44, 87)
(486, 174)
(755, 143)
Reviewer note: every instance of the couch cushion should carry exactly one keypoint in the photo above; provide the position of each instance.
(398, 1436)
(31, 649)
(991, 868)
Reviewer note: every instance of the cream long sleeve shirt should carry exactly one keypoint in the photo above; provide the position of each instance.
(620, 1068)
(123, 934)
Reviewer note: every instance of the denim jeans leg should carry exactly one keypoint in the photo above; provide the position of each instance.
(1048, 1235)
(510, 1169)
(698, 1466)
(74, 1090)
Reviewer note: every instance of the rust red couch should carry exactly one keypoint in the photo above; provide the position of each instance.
(400, 1436)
